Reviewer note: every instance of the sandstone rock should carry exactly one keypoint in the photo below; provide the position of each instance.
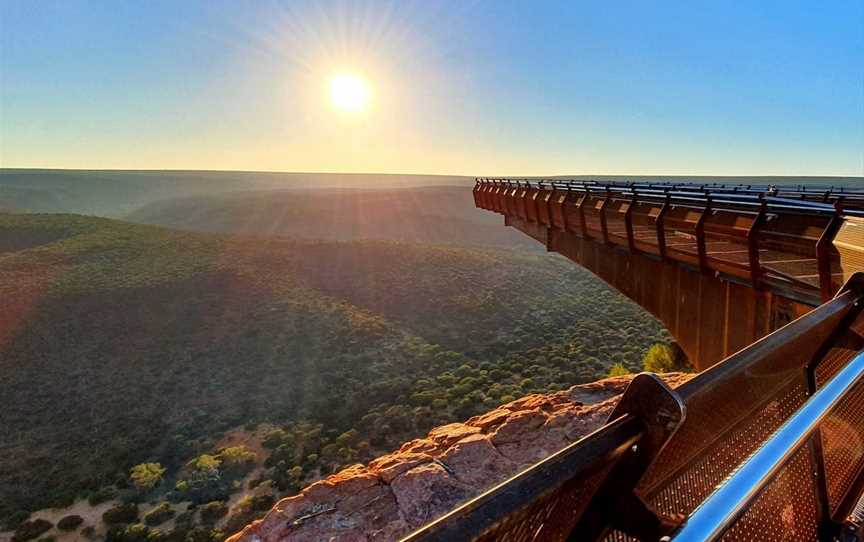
(351, 506)
(420, 445)
(429, 476)
(392, 465)
(489, 420)
(520, 425)
(446, 435)
(428, 491)
(476, 462)
(594, 392)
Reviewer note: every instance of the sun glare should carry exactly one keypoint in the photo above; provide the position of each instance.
(349, 92)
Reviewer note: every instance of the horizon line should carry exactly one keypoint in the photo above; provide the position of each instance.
(532, 176)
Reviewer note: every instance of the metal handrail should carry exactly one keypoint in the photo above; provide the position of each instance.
(747, 200)
(578, 460)
(720, 511)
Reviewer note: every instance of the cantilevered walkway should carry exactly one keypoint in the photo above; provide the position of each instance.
(719, 265)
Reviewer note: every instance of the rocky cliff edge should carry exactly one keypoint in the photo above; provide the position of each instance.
(398, 492)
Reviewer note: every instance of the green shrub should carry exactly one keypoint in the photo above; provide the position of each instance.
(663, 358)
(204, 534)
(31, 529)
(146, 476)
(618, 370)
(133, 533)
(89, 532)
(16, 518)
(101, 495)
(122, 513)
(159, 514)
(70, 523)
(212, 511)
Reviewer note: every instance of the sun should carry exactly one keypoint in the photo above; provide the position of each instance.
(349, 92)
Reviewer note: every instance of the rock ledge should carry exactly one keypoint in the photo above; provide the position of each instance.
(426, 477)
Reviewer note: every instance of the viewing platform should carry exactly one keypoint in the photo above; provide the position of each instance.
(690, 253)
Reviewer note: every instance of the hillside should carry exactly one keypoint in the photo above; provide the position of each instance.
(124, 343)
(116, 193)
(432, 214)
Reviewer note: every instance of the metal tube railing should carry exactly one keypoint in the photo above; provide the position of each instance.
(720, 511)
(695, 194)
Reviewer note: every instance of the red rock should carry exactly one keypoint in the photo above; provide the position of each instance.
(446, 435)
(428, 477)
(420, 445)
(489, 420)
(518, 426)
(476, 462)
(428, 491)
(352, 506)
(392, 465)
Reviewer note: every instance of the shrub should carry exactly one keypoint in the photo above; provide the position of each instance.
(618, 370)
(16, 519)
(185, 521)
(31, 529)
(204, 534)
(159, 514)
(663, 358)
(101, 495)
(205, 463)
(122, 513)
(89, 532)
(146, 476)
(275, 438)
(133, 533)
(70, 523)
(212, 511)
(237, 459)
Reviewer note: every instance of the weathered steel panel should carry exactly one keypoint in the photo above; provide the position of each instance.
(709, 316)
(712, 317)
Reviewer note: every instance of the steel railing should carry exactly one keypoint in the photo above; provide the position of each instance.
(720, 511)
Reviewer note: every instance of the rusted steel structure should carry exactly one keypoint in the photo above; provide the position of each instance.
(721, 266)
(767, 444)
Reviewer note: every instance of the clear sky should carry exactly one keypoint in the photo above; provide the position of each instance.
(475, 88)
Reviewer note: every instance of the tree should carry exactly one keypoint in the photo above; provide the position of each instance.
(146, 476)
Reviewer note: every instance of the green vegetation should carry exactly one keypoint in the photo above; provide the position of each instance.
(665, 358)
(147, 475)
(31, 529)
(70, 523)
(159, 514)
(122, 513)
(619, 370)
(212, 512)
(124, 345)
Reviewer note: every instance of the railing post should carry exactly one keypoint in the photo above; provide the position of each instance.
(661, 411)
(823, 254)
(753, 246)
(700, 236)
(661, 229)
(603, 229)
(583, 224)
(628, 224)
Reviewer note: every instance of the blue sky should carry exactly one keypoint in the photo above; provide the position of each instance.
(476, 88)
